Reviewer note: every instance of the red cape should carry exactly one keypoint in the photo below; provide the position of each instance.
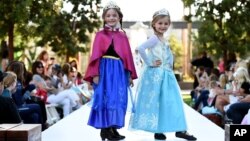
(101, 44)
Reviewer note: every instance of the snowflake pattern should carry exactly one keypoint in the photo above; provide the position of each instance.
(142, 121)
(153, 121)
(156, 78)
(147, 121)
(147, 116)
(151, 96)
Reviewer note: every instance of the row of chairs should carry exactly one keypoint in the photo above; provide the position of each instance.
(52, 114)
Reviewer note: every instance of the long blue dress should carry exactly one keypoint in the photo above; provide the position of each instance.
(159, 105)
(110, 95)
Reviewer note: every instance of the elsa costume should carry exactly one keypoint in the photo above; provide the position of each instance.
(158, 105)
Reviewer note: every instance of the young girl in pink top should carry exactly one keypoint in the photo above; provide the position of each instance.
(111, 70)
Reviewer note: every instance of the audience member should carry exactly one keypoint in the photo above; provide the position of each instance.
(237, 111)
(8, 109)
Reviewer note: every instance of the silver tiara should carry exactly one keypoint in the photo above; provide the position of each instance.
(161, 12)
(111, 4)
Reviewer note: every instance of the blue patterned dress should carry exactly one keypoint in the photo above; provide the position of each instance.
(159, 105)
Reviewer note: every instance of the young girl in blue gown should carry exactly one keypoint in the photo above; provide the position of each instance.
(111, 70)
(159, 105)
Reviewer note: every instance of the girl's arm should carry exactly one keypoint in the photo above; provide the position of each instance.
(245, 99)
(150, 43)
(66, 83)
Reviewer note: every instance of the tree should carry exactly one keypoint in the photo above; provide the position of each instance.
(71, 30)
(177, 52)
(43, 20)
(224, 26)
(15, 16)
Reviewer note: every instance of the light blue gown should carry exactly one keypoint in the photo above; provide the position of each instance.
(159, 105)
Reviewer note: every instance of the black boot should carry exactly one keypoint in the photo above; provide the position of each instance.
(160, 136)
(107, 133)
(185, 135)
(116, 133)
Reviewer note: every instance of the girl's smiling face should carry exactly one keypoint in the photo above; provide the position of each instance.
(111, 17)
(162, 25)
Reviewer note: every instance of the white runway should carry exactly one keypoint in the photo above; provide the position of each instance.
(74, 128)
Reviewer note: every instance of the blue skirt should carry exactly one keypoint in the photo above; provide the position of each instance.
(110, 95)
(159, 105)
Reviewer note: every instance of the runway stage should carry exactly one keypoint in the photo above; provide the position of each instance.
(74, 128)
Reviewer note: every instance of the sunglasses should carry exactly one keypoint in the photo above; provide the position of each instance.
(40, 66)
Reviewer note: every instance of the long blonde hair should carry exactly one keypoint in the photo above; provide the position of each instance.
(9, 79)
(223, 81)
(241, 75)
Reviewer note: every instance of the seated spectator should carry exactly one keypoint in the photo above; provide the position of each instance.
(68, 82)
(38, 68)
(223, 101)
(224, 83)
(79, 79)
(63, 98)
(202, 78)
(215, 74)
(56, 94)
(30, 113)
(55, 75)
(7, 105)
(207, 95)
(41, 87)
(2, 75)
(238, 110)
(9, 83)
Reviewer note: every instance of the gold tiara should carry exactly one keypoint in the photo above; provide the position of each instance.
(161, 12)
(111, 4)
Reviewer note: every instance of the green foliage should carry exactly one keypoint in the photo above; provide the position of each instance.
(12, 11)
(70, 30)
(177, 50)
(188, 3)
(66, 32)
(187, 99)
(224, 28)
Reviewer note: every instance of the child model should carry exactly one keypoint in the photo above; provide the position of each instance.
(159, 106)
(111, 69)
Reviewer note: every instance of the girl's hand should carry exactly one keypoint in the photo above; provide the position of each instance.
(157, 63)
(131, 82)
(96, 79)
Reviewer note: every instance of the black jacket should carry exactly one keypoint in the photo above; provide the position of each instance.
(8, 111)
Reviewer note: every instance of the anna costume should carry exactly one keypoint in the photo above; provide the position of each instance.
(112, 61)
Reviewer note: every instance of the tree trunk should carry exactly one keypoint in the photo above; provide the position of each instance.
(11, 41)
